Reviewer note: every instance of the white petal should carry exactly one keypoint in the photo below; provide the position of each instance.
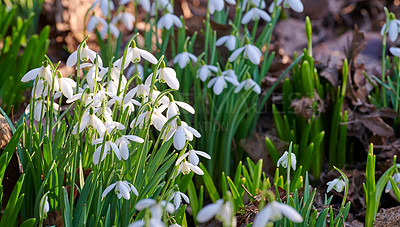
(395, 51)
(179, 139)
(208, 212)
(31, 75)
(263, 217)
(235, 54)
(144, 203)
(222, 40)
(289, 212)
(186, 106)
(219, 85)
(296, 5)
(148, 56)
(71, 61)
(108, 189)
(248, 16)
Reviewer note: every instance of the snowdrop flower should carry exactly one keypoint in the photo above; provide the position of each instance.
(104, 6)
(165, 75)
(255, 14)
(219, 83)
(90, 119)
(86, 54)
(395, 51)
(184, 133)
(44, 204)
(185, 167)
(113, 30)
(156, 210)
(259, 3)
(123, 144)
(43, 73)
(184, 58)
(205, 71)
(177, 196)
(228, 40)
(122, 189)
(295, 5)
(273, 211)
(173, 110)
(396, 179)
(336, 184)
(284, 159)
(156, 119)
(66, 85)
(38, 114)
(135, 54)
(393, 29)
(249, 51)
(193, 156)
(161, 5)
(218, 5)
(145, 5)
(222, 210)
(168, 20)
(126, 18)
(93, 22)
(249, 84)
(108, 145)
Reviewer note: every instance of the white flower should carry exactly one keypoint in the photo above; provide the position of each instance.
(259, 3)
(44, 204)
(218, 5)
(90, 119)
(156, 119)
(165, 75)
(161, 5)
(336, 184)
(177, 196)
(251, 52)
(109, 26)
(295, 5)
(104, 6)
(156, 208)
(228, 40)
(38, 114)
(184, 133)
(255, 14)
(126, 18)
(396, 179)
(222, 211)
(93, 22)
(193, 158)
(145, 5)
(135, 53)
(66, 86)
(108, 145)
(185, 167)
(184, 58)
(284, 159)
(205, 71)
(123, 144)
(395, 51)
(173, 109)
(393, 29)
(219, 83)
(43, 73)
(122, 189)
(249, 84)
(273, 211)
(168, 20)
(86, 54)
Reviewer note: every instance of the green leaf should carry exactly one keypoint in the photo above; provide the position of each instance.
(208, 182)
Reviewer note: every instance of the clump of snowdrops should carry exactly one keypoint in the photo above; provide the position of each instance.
(112, 150)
